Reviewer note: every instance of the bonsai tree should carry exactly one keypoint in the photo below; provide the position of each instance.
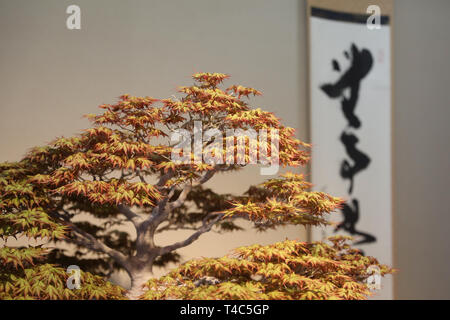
(144, 163)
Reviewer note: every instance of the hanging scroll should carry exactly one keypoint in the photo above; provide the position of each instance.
(351, 107)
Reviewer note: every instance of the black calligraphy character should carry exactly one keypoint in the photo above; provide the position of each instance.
(360, 160)
(361, 64)
(351, 217)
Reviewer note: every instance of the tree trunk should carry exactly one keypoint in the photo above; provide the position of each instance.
(139, 276)
(140, 266)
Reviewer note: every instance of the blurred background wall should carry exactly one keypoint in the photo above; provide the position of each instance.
(50, 76)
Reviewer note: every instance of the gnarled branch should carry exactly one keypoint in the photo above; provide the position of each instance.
(203, 229)
(89, 241)
(132, 216)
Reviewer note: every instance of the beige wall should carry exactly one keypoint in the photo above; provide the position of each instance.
(50, 76)
(422, 155)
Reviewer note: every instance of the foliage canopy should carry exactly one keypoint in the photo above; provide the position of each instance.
(82, 190)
